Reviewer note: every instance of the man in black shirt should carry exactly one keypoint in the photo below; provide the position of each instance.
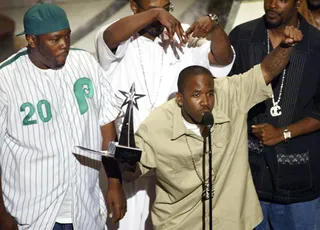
(283, 131)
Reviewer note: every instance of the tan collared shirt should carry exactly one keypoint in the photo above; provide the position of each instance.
(164, 139)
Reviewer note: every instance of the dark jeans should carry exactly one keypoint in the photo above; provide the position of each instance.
(298, 216)
(59, 226)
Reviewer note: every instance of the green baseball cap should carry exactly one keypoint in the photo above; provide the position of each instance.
(44, 18)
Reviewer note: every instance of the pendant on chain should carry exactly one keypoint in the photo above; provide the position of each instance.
(275, 111)
(206, 193)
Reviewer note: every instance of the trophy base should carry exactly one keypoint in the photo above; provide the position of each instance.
(124, 154)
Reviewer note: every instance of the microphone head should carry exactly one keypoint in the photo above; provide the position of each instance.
(207, 119)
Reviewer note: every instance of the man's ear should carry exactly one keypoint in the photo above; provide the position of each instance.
(133, 6)
(179, 99)
(32, 40)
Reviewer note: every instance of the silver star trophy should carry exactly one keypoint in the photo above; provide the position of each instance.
(126, 152)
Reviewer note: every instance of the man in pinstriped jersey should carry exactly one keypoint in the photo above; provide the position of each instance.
(54, 99)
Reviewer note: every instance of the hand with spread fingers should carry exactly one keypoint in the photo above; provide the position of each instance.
(116, 200)
(291, 36)
(172, 24)
(267, 134)
(200, 28)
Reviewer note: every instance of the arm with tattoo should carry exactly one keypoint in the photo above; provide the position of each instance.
(276, 61)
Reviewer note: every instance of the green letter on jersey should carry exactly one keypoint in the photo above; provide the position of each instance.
(83, 89)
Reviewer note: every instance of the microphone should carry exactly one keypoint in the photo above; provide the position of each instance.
(208, 191)
(207, 120)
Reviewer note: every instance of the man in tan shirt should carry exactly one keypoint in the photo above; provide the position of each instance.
(172, 143)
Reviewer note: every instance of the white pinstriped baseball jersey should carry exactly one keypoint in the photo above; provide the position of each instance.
(44, 115)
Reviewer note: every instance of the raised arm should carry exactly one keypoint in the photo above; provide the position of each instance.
(221, 52)
(275, 62)
(124, 28)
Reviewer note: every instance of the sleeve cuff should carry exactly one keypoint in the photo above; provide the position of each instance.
(265, 90)
(105, 55)
(219, 71)
(111, 103)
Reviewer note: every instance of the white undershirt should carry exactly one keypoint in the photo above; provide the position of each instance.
(193, 127)
(65, 213)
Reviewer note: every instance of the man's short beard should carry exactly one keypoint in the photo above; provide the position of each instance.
(272, 25)
(59, 65)
(312, 6)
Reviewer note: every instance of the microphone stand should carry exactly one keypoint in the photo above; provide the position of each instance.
(208, 121)
(210, 177)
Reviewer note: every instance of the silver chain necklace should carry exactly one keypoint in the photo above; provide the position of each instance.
(275, 110)
(145, 79)
(206, 194)
(312, 18)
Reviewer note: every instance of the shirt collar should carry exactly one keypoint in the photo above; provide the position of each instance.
(179, 129)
